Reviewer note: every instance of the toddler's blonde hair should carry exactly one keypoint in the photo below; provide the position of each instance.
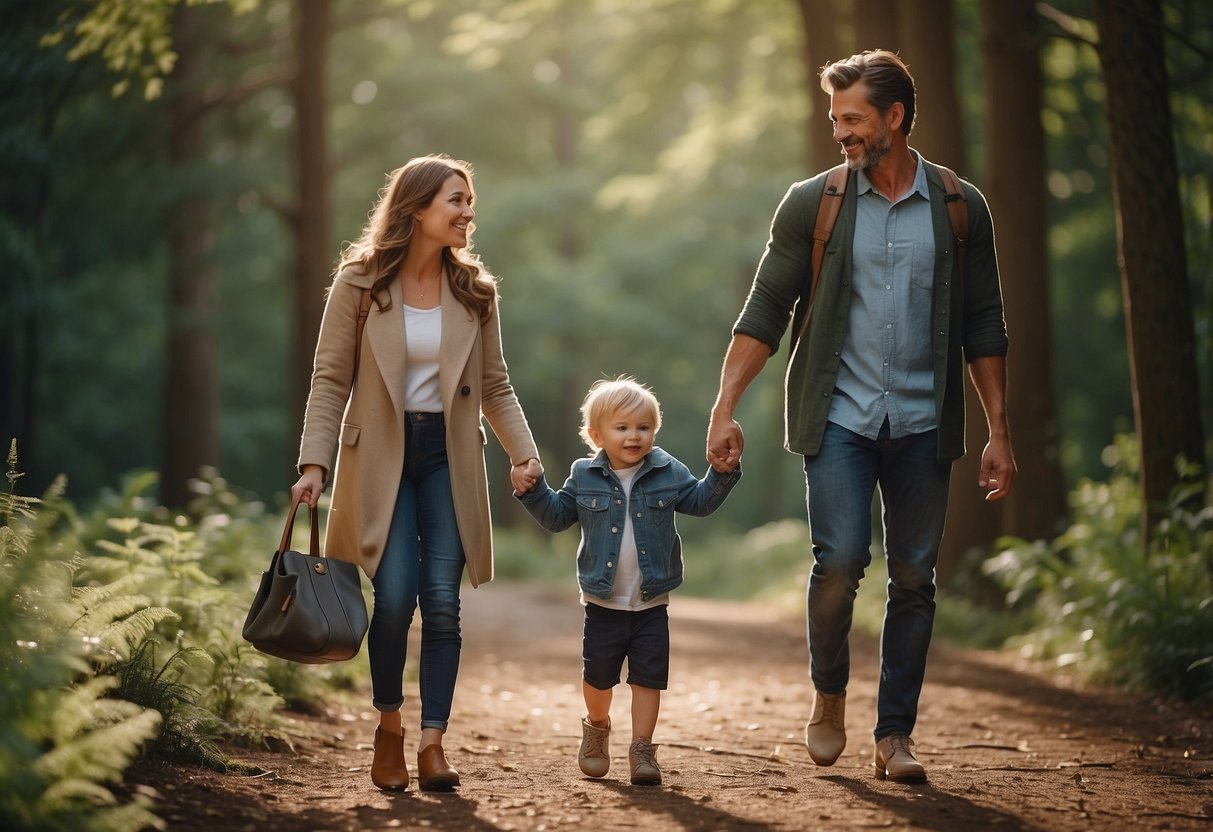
(607, 397)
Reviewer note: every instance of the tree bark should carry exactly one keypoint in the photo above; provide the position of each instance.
(930, 53)
(877, 25)
(189, 438)
(938, 134)
(312, 218)
(1157, 296)
(821, 45)
(1015, 187)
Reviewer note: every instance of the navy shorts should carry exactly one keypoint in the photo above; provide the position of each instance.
(610, 636)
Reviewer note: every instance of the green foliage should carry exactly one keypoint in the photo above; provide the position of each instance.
(187, 732)
(204, 570)
(64, 736)
(133, 39)
(87, 604)
(241, 690)
(1106, 610)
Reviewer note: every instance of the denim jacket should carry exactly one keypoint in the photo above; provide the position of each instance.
(593, 496)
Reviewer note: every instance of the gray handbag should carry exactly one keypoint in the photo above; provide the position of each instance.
(308, 608)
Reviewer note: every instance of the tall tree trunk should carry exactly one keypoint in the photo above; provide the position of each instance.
(928, 36)
(939, 135)
(821, 45)
(1153, 268)
(313, 215)
(191, 412)
(1014, 186)
(877, 25)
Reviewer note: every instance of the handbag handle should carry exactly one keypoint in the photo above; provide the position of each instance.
(290, 528)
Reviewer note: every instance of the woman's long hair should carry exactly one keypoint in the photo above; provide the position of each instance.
(385, 238)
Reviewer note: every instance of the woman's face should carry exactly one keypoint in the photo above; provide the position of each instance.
(448, 218)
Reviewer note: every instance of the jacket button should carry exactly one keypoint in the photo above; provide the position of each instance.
(465, 390)
(614, 530)
(609, 564)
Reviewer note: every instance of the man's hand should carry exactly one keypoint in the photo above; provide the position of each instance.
(998, 469)
(725, 444)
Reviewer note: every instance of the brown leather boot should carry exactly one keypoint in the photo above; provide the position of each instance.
(894, 759)
(389, 771)
(826, 735)
(434, 774)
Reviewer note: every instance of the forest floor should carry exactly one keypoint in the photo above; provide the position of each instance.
(1005, 748)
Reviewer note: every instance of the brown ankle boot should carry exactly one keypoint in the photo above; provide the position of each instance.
(434, 774)
(389, 771)
(895, 760)
(826, 734)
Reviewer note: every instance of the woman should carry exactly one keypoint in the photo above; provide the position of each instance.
(410, 496)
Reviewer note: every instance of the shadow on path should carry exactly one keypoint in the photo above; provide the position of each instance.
(926, 807)
(688, 813)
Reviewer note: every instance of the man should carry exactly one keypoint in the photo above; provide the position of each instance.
(874, 388)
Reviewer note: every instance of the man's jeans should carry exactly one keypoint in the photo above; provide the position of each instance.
(422, 564)
(840, 481)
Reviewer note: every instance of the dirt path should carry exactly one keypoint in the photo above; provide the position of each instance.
(1005, 749)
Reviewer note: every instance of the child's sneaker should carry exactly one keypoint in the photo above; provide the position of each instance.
(595, 754)
(643, 757)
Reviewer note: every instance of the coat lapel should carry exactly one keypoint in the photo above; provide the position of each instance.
(385, 337)
(458, 335)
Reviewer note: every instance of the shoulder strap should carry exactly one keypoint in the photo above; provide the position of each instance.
(958, 214)
(827, 215)
(364, 309)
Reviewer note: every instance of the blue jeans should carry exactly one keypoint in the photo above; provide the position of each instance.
(840, 482)
(422, 566)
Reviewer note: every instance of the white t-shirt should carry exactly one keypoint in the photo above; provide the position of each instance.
(625, 591)
(422, 340)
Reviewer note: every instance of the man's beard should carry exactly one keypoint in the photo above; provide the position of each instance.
(872, 153)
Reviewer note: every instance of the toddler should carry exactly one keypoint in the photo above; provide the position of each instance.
(624, 495)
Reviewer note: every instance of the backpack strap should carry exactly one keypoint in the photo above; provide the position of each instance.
(958, 214)
(827, 214)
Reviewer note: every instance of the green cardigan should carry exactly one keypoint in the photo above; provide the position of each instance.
(813, 366)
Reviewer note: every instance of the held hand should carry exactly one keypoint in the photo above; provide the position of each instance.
(725, 444)
(309, 485)
(997, 469)
(524, 475)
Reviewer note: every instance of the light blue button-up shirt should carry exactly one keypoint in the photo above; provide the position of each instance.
(886, 364)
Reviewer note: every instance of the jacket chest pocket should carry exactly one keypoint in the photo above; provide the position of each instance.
(656, 509)
(594, 505)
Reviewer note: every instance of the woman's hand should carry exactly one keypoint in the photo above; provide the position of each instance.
(524, 475)
(309, 486)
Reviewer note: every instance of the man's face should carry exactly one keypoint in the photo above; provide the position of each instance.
(864, 135)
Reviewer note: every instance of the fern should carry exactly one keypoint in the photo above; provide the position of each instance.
(63, 738)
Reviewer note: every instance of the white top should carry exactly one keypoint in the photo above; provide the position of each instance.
(625, 591)
(422, 339)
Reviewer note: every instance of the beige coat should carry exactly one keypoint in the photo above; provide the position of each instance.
(369, 421)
